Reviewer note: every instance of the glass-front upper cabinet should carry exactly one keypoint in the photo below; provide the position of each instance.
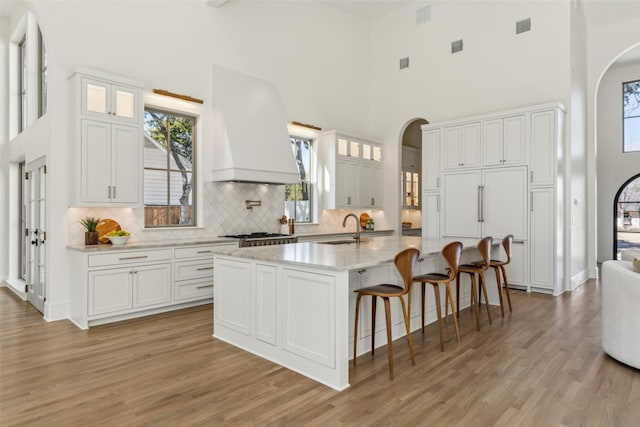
(348, 148)
(411, 190)
(102, 98)
(371, 152)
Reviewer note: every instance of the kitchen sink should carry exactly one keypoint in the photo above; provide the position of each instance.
(337, 242)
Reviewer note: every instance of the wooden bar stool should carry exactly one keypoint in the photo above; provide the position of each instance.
(451, 253)
(405, 262)
(478, 267)
(498, 266)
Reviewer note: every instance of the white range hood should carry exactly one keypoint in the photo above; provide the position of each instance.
(251, 142)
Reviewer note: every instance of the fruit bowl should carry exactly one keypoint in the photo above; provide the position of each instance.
(118, 240)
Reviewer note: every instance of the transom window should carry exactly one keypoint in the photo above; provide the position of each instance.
(169, 145)
(631, 117)
(22, 47)
(298, 196)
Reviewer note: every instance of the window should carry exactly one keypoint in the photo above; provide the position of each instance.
(23, 232)
(169, 144)
(631, 118)
(298, 196)
(22, 90)
(43, 76)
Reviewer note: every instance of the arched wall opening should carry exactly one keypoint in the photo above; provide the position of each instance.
(626, 216)
(410, 177)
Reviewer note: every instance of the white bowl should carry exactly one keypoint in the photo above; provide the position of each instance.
(118, 240)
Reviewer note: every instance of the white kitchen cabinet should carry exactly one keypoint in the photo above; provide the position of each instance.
(114, 291)
(543, 240)
(369, 186)
(110, 163)
(351, 173)
(109, 100)
(431, 159)
(431, 215)
(461, 146)
(490, 202)
(107, 169)
(503, 141)
(543, 148)
(110, 285)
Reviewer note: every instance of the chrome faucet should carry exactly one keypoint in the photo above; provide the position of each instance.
(344, 224)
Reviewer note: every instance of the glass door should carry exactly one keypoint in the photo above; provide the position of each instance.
(36, 233)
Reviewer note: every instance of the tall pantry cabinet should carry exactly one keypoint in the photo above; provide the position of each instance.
(498, 174)
(108, 122)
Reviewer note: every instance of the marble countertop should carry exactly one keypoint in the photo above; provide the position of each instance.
(150, 244)
(372, 251)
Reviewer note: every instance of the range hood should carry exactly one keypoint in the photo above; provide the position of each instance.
(251, 141)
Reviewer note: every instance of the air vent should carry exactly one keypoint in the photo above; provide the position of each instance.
(523, 26)
(456, 46)
(404, 63)
(423, 15)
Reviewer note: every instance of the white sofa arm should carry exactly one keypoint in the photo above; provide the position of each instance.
(621, 312)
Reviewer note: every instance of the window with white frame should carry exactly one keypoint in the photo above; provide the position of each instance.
(169, 171)
(631, 116)
(298, 197)
(43, 76)
(22, 81)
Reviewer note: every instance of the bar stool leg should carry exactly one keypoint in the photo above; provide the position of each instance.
(506, 285)
(374, 300)
(498, 282)
(355, 332)
(387, 314)
(474, 301)
(405, 313)
(453, 314)
(486, 298)
(436, 291)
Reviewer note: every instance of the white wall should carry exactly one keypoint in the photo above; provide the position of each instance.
(614, 166)
(576, 148)
(604, 46)
(497, 69)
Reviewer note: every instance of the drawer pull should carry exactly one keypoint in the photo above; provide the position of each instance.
(204, 268)
(133, 257)
(204, 287)
(204, 252)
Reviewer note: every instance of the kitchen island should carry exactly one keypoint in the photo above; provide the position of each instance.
(294, 304)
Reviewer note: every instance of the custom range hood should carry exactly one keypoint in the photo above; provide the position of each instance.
(251, 141)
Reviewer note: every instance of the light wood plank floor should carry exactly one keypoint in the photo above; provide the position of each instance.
(541, 366)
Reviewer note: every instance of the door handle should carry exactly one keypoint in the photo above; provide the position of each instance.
(482, 203)
(479, 203)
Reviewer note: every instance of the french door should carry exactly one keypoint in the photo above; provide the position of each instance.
(36, 235)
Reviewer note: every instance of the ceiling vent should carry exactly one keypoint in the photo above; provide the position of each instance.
(456, 46)
(423, 15)
(404, 63)
(523, 26)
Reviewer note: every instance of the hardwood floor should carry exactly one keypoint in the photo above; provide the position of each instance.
(541, 366)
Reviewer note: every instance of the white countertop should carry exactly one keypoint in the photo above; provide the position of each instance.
(372, 251)
(150, 244)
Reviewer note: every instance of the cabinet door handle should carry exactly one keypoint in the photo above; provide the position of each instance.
(482, 200)
(204, 286)
(373, 201)
(114, 191)
(349, 200)
(109, 192)
(204, 252)
(531, 202)
(364, 270)
(133, 257)
(438, 203)
(479, 203)
(438, 182)
(531, 176)
(204, 268)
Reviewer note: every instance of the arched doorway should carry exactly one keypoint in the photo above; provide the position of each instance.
(626, 215)
(411, 177)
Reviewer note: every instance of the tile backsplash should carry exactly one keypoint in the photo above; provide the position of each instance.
(223, 212)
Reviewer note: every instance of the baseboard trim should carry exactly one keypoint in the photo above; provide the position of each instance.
(55, 311)
(15, 286)
(578, 279)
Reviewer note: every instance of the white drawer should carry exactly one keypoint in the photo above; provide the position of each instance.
(122, 258)
(201, 251)
(185, 270)
(193, 290)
